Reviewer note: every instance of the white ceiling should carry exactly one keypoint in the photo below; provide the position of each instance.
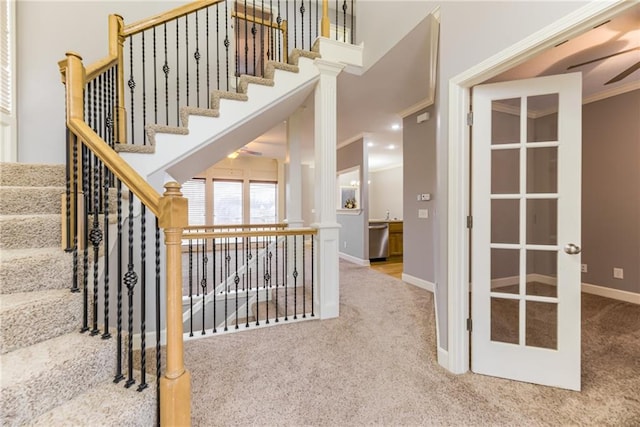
(370, 103)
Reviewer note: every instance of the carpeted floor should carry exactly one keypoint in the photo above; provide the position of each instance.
(376, 365)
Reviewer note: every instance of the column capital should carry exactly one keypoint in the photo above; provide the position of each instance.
(329, 67)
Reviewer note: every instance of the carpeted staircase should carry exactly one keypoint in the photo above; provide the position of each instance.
(50, 373)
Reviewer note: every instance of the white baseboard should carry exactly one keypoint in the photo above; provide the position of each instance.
(424, 284)
(443, 358)
(354, 260)
(611, 293)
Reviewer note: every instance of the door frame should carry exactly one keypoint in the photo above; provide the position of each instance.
(571, 25)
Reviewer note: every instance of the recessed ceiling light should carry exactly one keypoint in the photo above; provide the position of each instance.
(395, 126)
(391, 146)
(370, 144)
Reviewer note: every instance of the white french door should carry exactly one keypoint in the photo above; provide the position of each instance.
(526, 176)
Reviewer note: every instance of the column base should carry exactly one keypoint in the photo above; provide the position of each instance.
(327, 272)
(175, 400)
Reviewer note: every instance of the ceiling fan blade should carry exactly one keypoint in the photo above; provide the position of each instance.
(250, 152)
(601, 58)
(625, 73)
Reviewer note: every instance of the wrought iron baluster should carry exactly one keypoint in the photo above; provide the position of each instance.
(205, 260)
(197, 56)
(344, 21)
(352, 29)
(304, 282)
(68, 174)
(295, 277)
(155, 78)
(279, 22)
(130, 281)
(132, 85)
(285, 274)
(246, 40)
(177, 72)
(119, 377)
(262, 27)
(227, 258)
(257, 283)
(313, 260)
(277, 285)
(107, 248)
(217, 56)
(236, 280)
(85, 228)
(191, 287)
(268, 283)
(165, 70)
(143, 297)
(302, 10)
(337, 37)
(214, 284)
(158, 316)
(144, 94)
(186, 61)
(74, 285)
(198, 268)
(253, 36)
(226, 37)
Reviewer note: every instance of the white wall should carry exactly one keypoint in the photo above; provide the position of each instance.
(385, 193)
(45, 31)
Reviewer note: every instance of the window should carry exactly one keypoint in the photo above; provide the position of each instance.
(263, 202)
(227, 202)
(193, 190)
(8, 148)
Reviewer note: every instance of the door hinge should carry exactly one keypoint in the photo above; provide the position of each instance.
(469, 221)
(469, 325)
(470, 118)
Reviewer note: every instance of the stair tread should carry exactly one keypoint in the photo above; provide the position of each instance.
(15, 255)
(44, 356)
(25, 299)
(32, 174)
(106, 404)
(36, 268)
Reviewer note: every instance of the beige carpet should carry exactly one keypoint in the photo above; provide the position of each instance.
(376, 365)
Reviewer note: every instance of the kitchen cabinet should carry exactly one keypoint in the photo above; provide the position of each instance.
(395, 238)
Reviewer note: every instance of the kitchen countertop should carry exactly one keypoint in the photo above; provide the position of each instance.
(379, 221)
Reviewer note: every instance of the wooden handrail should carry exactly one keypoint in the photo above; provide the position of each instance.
(229, 226)
(75, 81)
(229, 234)
(178, 12)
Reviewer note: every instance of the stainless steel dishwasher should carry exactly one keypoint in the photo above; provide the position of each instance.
(378, 240)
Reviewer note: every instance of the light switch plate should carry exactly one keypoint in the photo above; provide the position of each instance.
(423, 213)
(618, 273)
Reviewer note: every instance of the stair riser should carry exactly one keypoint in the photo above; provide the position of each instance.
(30, 200)
(24, 326)
(30, 232)
(85, 366)
(36, 273)
(32, 175)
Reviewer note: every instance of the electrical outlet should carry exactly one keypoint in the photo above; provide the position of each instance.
(583, 268)
(618, 273)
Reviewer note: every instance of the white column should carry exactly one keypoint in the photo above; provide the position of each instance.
(294, 170)
(327, 276)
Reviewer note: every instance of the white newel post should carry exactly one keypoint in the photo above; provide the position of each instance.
(327, 275)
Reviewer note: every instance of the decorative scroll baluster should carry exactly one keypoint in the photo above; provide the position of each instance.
(85, 247)
(130, 281)
(214, 284)
(227, 258)
(196, 56)
(119, 377)
(268, 284)
(253, 35)
(295, 277)
(236, 280)
(262, 28)
(107, 249)
(279, 33)
(95, 237)
(132, 85)
(226, 38)
(257, 284)
(205, 260)
(217, 56)
(249, 257)
(165, 70)
(143, 297)
(186, 62)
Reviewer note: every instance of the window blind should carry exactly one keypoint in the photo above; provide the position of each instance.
(263, 202)
(227, 202)
(194, 191)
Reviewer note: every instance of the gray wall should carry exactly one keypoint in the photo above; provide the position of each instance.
(611, 191)
(354, 234)
(385, 193)
(419, 157)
